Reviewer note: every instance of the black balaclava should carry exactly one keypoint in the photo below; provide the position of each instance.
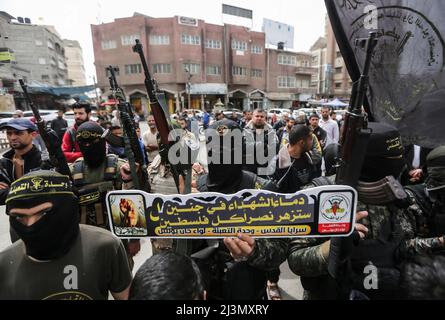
(91, 143)
(223, 177)
(435, 181)
(331, 154)
(53, 235)
(384, 155)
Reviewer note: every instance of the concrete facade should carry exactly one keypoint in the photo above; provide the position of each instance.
(40, 50)
(185, 52)
(75, 63)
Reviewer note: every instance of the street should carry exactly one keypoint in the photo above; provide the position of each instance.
(289, 283)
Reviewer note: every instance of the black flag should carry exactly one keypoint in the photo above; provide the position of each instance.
(407, 83)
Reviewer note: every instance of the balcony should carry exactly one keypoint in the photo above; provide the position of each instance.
(306, 70)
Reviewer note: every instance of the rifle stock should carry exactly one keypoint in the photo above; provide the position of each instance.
(57, 158)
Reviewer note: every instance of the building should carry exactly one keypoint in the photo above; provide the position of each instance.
(341, 83)
(321, 81)
(38, 49)
(199, 62)
(75, 64)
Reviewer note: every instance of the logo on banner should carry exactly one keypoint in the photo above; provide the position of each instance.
(334, 208)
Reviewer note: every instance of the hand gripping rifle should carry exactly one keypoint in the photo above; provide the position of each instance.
(354, 142)
(167, 138)
(160, 113)
(52, 143)
(130, 140)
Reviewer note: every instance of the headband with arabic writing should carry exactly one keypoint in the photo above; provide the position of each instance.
(39, 185)
(87, 135)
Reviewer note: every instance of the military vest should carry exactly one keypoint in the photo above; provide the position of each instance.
(92, 188)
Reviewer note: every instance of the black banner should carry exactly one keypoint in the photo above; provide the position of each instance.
(406, 78)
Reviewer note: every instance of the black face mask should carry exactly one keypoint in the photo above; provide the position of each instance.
(53, 235)
(376, 169)
(94, 154)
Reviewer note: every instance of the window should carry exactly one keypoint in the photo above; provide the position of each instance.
(239, 71)
(42, 61)
(45, 77)
(256, 73)
(39, 43)
(303, 83)
(162, 68)
(338, 85)
(109, 44)
(338, 70)
(53, 62)
(214, 70)
(159, 40)
(129, 40)
(61, 64)
(339, 54)
(190, 39)
(50, 44)
(193, 68)
(133, 68)
(213, 44)
(257, 50)
(287, 60)
(239, 45)
(287, 82)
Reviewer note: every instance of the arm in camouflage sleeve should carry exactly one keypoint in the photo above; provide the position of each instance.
(308, 257)
(424, 245)
(269, 254)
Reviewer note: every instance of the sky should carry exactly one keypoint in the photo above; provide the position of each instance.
(72, 19)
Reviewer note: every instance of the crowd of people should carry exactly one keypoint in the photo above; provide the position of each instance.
(60, 227)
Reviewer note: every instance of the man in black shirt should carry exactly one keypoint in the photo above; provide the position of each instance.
(59, 125)
(294, 167)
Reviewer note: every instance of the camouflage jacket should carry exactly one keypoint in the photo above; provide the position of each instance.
(305, 258)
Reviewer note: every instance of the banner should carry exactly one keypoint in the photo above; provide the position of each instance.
(406, 79)
(319, 212)
(236, 11)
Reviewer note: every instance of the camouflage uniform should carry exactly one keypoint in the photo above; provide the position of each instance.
(305, 255)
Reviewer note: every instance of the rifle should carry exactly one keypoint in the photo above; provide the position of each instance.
(130, 141)
(354, 142)
(161, 115)
(167, 137)
(52, 143)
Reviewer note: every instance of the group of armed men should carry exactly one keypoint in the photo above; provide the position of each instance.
(62, 250)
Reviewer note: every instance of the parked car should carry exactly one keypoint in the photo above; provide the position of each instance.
(278, 112)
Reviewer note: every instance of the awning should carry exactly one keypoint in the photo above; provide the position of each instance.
(276, 96)
(208, 88)
(36, 87)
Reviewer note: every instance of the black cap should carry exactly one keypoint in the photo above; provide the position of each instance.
(385, 141)
(89, 131)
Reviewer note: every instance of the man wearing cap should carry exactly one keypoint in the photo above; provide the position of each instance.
(56, 259)
(23, 156)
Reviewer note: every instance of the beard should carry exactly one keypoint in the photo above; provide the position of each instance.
(18, 146)
(80, 122)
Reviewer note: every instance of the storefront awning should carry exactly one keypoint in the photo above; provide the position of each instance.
(209, 88)
(276, 96)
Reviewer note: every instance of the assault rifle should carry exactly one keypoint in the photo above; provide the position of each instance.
(130, 141)
(354, 142)
(168, 138)
(160, 113)
(56, 157)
